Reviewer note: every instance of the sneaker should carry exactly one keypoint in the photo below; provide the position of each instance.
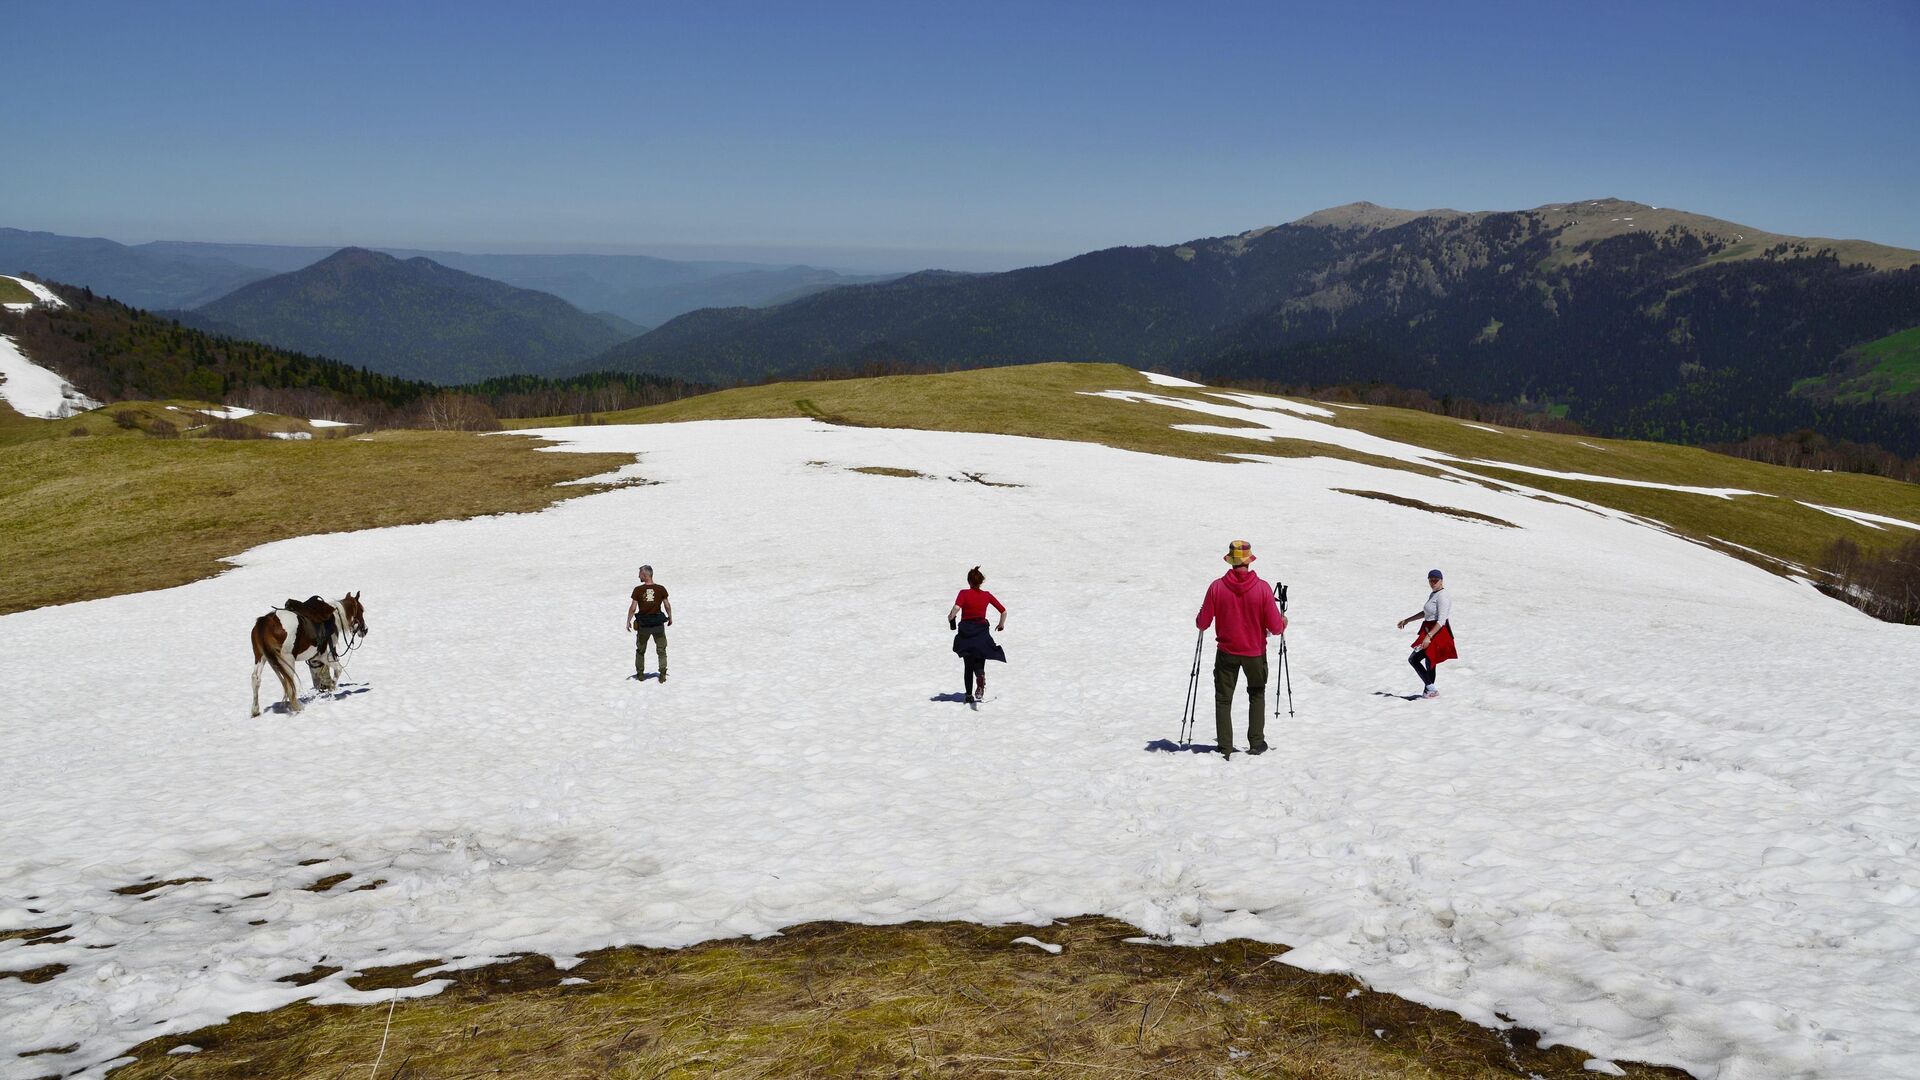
(970, 699)
(1256, 750)
(1431, 693)
(663, 676)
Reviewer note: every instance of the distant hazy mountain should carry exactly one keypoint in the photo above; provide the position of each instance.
(638, 288)
(114, 352)
(1639, 320)
(134, 275)
(413, 317)
(625, 327)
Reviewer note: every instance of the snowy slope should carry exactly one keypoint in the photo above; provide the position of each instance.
(1668, 808)
(31, 389)
(36, 391)
(41, 294)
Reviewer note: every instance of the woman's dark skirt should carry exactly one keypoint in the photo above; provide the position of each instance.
(974, 641)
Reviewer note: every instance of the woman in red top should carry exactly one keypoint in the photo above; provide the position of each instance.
(971, 641)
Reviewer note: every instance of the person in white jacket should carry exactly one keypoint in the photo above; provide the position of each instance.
(1434, 643)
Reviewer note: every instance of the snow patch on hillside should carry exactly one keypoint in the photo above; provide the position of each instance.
(1668, 808)
(1268, 401)
(42, 296)
(1270, 422)
(1861, 517)
(1158, 379)
(36, 391)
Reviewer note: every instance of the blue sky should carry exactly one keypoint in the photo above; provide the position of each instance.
(975, 136)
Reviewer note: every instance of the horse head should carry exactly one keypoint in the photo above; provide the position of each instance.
(356, 615)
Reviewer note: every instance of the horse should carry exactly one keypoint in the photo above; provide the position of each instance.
(318, 632)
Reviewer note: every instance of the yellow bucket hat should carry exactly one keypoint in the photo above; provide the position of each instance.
(1240, 553)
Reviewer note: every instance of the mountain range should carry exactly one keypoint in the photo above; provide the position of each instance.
(637, 289)
(1637, 320)
(115, 353)
(133, 275)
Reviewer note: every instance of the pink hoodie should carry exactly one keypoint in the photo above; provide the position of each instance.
(1244, 606)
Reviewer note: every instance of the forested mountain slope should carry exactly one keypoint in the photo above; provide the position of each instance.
(412, 318)
(1636, 320)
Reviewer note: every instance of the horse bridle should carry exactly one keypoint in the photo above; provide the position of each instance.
(354, 638)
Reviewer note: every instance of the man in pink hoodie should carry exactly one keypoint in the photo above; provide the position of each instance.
(1240, 608)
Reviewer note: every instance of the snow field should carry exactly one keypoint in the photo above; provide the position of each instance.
(1665, 809)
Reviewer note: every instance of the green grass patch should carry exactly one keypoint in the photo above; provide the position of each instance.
(1745, 249)
(12, 292)
(1780, 528)
(120, 510)
(1772, 522)
(1877, 371)
(920, 1000)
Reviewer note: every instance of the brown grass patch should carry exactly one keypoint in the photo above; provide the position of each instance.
(980, 478)
(1431, 508)
(43, 973)
(31, 934)
(310, 976)
(328, 882)
(888, 470)
(921, 1000)
(145, 887)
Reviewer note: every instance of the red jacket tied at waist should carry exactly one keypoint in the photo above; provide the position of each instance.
(1240, 608)
(1441, 647)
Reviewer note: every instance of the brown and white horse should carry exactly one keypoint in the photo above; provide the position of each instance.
(315, 631)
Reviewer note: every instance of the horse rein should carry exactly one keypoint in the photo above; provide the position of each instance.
(354, 638)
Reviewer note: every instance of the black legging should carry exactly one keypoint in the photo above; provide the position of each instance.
(1424, 666)
(975, 667)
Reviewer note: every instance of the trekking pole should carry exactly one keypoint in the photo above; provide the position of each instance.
(1187, 715)
(1286, 671)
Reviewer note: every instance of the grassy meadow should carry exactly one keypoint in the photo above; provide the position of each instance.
(91, 508)
(12, 292)
(1887, 368)
(919, 1000)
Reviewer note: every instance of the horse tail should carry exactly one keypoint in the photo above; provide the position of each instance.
(270, 654)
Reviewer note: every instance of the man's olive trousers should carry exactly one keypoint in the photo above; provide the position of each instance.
(1226, 671)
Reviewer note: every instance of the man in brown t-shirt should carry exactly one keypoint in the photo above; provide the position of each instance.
(649, 613)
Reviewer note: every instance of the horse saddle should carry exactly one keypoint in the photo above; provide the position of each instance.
(316, 617)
